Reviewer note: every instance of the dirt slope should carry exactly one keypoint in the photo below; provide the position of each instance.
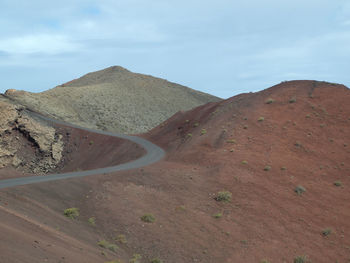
(303, 140)
(114, 99)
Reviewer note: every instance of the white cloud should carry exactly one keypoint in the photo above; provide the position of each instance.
(41, 43)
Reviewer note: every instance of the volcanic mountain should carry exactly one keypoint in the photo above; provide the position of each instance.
(114, 99)
(259, 177)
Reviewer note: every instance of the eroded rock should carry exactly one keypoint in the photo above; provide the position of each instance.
(27, 143)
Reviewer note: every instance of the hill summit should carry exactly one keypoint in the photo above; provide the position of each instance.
(114, 99)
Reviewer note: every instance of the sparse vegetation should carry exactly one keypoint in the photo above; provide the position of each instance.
(269, 101)
(203, 131)
(92, 221)
(91, 142)
(223, 196)
(72, 212)
(298, 144)
(292, 100)
(267, 168)
(196, 124)
(326, 232)
(121, 239)
(283, 168)
(105, 244)
(301, 259)
(231, 141)
(156, 260)
(148, 218)
(244, 162)
(114, 261)
(261, 119)
(136, 258)
(264, 261)
(299, 190)
(189, 134)
(218, 215)
(338, 183)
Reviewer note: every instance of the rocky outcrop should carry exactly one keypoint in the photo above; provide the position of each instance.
(27, 143)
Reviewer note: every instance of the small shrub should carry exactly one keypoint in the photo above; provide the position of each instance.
(114, 261)
(91, 142)
(245, 127)
(107, 245)
(301, 259)
(231, 141)
(223, 196)
(338, 183)
(298, 144)
(156, 260)
(218, 215)
(261, 119)
(121, 239)
(135, 258)
(189, 134)
(203, 131)
(269, 101)
(292, 100)
(264, 261)
(326, 232)
(196, 124)
(267, 168)
(244, 162)
(180, 208)
(92, 221)
(283, 168)
(299, 189)
(72, 212)
(148, 218)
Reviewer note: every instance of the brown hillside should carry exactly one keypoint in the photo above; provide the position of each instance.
(114, 99)
(303, 140)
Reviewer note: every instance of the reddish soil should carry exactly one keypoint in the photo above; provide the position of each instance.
(304, 138)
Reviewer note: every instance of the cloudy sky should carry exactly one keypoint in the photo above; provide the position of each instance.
(223, 47)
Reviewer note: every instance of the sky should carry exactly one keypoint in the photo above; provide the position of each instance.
(222, 47)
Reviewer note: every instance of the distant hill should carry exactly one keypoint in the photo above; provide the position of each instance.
(114, 99)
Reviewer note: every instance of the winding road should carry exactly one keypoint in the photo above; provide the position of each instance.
(153, 154)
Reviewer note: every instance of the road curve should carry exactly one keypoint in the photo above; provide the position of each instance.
(153, 154)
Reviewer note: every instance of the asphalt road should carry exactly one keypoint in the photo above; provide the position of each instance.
(153, 154)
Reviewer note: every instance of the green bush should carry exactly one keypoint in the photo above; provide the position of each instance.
(121, 239)
(107, 245)
(301, 259)
(135, 258)
(269, 101)
(156, 260)
(326, 232)
(338, 183)
(261, 119)
(292, 100)
(223, 196)
(92, 221)
(218, 215)
(72, 212)
(203, 131)
(148, 218)
(267, 168)
(299, 189)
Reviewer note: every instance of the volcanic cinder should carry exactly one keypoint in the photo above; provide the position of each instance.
(259, 147)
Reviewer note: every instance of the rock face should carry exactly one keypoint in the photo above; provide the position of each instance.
(27, 143)
(114, 99)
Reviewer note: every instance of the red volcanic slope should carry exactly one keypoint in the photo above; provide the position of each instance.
(259, 146)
